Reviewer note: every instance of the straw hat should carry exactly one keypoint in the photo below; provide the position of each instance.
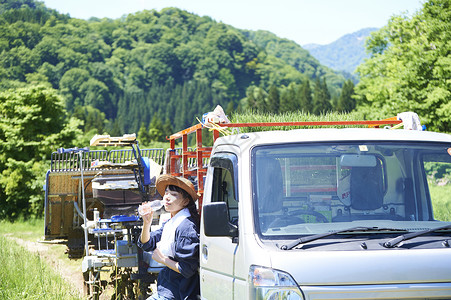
(164, 180)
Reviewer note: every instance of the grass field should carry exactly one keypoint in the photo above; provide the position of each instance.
(440, 198)
(27, 275)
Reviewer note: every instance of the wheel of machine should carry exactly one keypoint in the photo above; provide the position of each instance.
(92, 286)
(143, 289)
(124, 286)
(75, 244)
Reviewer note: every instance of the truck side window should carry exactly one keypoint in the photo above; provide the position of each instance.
(224, 190)
(436, 178)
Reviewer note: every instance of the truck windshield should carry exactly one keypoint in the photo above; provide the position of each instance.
(302, 189)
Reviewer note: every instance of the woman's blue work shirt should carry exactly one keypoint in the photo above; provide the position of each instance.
(183, 285)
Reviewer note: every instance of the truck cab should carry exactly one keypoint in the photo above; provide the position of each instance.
(349, 213)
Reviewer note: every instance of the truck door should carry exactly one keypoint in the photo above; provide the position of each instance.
(217, 258)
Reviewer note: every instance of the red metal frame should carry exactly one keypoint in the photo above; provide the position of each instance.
(204, 152)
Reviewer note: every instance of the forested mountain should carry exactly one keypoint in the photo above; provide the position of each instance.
(297, 57)
(169, 64)
(344, 54)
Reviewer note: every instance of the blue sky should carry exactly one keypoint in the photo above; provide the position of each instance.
(303, 21)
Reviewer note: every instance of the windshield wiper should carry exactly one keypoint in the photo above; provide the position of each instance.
(395, 241)
(314, 237)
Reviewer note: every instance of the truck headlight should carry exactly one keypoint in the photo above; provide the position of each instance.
(269, 284)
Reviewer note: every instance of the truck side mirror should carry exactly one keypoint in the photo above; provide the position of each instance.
(216, 220)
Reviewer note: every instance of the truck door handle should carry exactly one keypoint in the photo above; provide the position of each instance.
(205, 251)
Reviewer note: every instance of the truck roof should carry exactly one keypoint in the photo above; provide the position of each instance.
(332, 134)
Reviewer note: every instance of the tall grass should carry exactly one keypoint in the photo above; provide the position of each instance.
(251, 116)
(255, 117)
(25, 275)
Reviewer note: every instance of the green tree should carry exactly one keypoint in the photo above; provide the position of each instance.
(95, 94)
(346, 102)
(288, 99)
(188, 55)
(321, 98)
(230, 108)
(167, 129)
(305, 96)
(122, 39)
(273, 99)
(114, 129)
(143, 135)
(261, 97)
(250, 100)
(156, 130)
(33, 123)
(226, 77)
(92, 118)
(70, 86)
(410, 67)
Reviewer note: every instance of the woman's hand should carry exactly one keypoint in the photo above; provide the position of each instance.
(147, 222)
(159, 257)
(145, 212)
(148, 218)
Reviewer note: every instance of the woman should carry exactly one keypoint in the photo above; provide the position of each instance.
(176, 243)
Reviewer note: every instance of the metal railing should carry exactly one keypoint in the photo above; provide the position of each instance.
(70, 162)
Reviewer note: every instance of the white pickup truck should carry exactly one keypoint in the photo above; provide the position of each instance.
(325, 214)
